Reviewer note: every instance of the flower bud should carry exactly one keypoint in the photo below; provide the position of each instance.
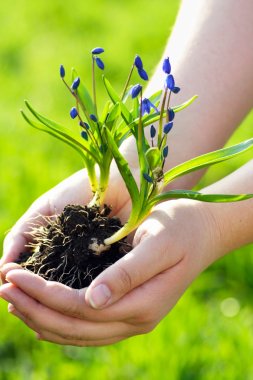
(97, 50)
(146, 106)
(166, 66)
(93, 118)
(84, 125)
(100, 63)
(73, 112)
(171, 114)
(142, 73)
(152, 131)
(167, 127)
(176, 90)
(165, 151)
(135, 90)
(84, 135)
(62, 71)
(75, 84)
(170, 82)
(138, 62)
(147, 178)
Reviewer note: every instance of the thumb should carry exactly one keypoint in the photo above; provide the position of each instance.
(150, 257)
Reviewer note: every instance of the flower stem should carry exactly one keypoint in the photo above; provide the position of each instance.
(167, 107)
(159, 138)
(127, 82)
(101, 188)
(94, 84)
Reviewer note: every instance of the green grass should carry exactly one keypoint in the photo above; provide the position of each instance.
(197, 340)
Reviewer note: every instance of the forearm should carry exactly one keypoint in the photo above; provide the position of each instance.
(232, 222)
(211, 56)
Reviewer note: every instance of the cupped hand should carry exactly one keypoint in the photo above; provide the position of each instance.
(174, 244)
(73, 190)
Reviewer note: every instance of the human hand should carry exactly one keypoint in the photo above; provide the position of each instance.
(73, 190)
(172, 246)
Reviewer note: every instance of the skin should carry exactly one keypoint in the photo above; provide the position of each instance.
(169, 251)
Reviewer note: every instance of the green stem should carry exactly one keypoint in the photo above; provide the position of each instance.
(100, 191)
(130, 225)
(167, 107)
(159, 138)
(144, 185)
(127, 82)
(92, 176)
(94, 85)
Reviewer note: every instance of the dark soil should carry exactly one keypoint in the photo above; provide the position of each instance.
(63, 250)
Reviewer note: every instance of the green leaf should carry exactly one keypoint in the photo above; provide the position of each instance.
(42, 128)
(155, 98)
(84, 95)
(136, 110)
(124, 169)
(207, 160)
(65, 133)
(105, 112)
(185, 104)
(116, 99)
(189, 194)
(113, 115)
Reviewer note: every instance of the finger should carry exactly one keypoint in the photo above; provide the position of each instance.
(54, 295)
(67, 301)
(150, 257)
(65, 327)
(133, 308)
(5, 269)
(12, 310)
(53, 338)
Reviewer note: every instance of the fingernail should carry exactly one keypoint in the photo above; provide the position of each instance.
(99, 296)
(11, 308)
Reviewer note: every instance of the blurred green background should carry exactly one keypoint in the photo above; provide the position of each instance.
(209, 334)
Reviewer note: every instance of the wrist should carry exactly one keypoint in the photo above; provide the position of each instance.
(193, 231)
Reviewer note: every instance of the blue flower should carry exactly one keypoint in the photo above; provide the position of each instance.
(166, 66)
(84, 125)
(170, 82)
(73, 112)
(97, 50)
(171, 114)
(142, 73)
(75, 84)
(167, 127)
(100, 63)
(147, 178)
(165, 151)
(176, 90)
(62, 71)
(146, 106)
(84, 135)
(152, 131)
(138, 62)
(93, 118)
(135, 90)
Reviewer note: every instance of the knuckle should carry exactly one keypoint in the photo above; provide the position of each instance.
(147, 328)
(141, 234)
(146, 318)
(125, 279)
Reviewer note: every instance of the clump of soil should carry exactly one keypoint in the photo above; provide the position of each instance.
(71, 250)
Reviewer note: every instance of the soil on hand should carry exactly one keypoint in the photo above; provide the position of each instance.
(70, 248)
